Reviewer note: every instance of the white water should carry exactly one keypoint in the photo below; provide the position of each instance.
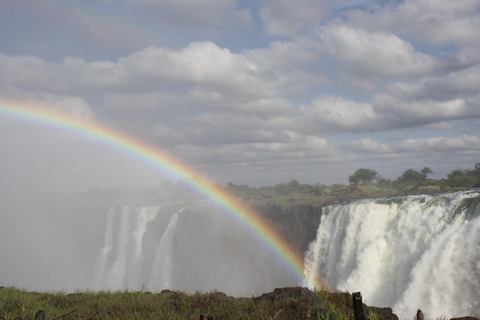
(188, 250)
(128, 257)
(162, 267)
(417, 252)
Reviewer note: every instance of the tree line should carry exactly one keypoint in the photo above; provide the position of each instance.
(410, 181)
(411, 178)
(362, 183)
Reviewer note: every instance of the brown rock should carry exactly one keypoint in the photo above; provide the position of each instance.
(291, 292)
(383, 313)
(420, 315)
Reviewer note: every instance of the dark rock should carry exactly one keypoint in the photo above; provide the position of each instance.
(166, 291)
(279, 293)
(382, 313)
(40, 315)
(358, 306)
(420, 315)
(464, 318)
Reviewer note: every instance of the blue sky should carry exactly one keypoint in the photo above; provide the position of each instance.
(252, 92)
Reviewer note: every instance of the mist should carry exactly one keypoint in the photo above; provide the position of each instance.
(80, 215)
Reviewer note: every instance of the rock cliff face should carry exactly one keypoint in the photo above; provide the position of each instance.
(297, 223)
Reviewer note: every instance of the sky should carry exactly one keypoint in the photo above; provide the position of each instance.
(249, 92)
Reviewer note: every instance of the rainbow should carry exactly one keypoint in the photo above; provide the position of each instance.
(166, 163)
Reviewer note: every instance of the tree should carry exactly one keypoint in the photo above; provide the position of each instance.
(362, 175)
(460, 178)
(382, 182)
(425, 171)
(412, 176)
(293, 184)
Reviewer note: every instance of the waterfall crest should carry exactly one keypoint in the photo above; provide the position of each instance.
(408, 253)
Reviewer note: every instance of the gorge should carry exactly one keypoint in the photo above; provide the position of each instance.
(405, 252)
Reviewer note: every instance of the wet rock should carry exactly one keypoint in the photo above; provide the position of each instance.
(420, 315)
(358, 306)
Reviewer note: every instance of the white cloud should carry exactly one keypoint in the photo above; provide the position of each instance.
(419, 146)
(249, 101)
(282, 17)
(73, 105)
(440, 22)
(295, 147)
(461, 83)
(370, 146)
(74, 75)
(441, 154)
(445, 126)
(201, 64)
(334, 113)
(283, 55)
(429, 109)
(151, 101)
(375, 54)
(440, 144)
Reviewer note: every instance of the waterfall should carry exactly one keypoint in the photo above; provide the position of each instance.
(107, 248)
(122, 269)
(199, 248)
(408, 253)
(162, 268)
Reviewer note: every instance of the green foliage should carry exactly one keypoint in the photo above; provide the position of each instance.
(463, 178)
(362, 176)
(16, 303)
(412, 178)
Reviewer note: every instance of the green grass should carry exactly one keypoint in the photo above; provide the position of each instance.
(20, 304)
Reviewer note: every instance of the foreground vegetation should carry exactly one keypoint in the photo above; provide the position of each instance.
(298, 303)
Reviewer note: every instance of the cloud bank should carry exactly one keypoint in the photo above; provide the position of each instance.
(260, 93)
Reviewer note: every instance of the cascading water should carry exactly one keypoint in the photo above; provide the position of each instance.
(408, 253)
(189, 249)
(162, 267)
(114, 266)
(68, 244)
